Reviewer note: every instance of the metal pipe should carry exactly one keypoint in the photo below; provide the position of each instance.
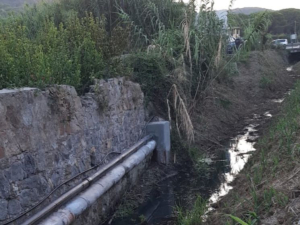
(83, 185)
(76, 207)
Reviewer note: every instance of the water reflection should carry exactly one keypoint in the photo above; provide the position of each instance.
(278, 100)
(268, 114)
(239, 150)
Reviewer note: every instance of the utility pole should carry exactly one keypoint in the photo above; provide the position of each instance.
(296, 36)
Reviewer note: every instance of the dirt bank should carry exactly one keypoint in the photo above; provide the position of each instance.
(222, 113)
(296, 68)
(262, 77)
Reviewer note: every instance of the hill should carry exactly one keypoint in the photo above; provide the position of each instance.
(246, 10)
(249, 10)
(7, 6)
(17, 3)
(239, 13)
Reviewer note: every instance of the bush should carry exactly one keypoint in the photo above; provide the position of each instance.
(38, 49)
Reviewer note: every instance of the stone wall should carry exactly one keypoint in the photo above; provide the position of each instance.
(47, 137)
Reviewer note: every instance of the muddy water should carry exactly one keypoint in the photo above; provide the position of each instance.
(181, 190)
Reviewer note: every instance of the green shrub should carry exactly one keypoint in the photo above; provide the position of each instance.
(39, 48)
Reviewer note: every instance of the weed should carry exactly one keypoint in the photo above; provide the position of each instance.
(195, 216)
(126, 209)
(265, 82)
(225, 103)
(273, 197)
(251, 219)
(275, 164)
(142, 218)
(258, 174)
(244, 57)
(201, 162)
(36, 93)
(101, 99)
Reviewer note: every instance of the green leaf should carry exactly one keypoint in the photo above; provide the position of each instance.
(238, 220)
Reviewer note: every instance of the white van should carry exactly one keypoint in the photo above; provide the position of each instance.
(280, 42)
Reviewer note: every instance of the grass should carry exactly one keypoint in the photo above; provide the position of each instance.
(265, 82)
(251, 220)
(126, 209)
(194, 216)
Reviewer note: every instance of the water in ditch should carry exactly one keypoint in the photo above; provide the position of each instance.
(182, 189)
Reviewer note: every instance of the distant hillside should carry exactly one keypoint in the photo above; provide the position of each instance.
(17, 3)
(246, 11)
(249, 10)
(222, 14)
(7, 6)
(242, 12)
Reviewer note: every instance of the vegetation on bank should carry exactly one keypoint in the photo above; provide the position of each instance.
(267, 190)
(269, 176)
(174, 52)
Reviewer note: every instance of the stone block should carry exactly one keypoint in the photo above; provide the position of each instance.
(29, 164)
(28, 197)
(16, 172)
(14, 207)
(13, 116)
(4, 163)
(4, 186)
(30, 182)
(3, 209)
(2, 152)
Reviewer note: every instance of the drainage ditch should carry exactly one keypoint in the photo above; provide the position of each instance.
(182, 188)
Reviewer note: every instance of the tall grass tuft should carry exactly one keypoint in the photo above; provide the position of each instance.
(194, 216)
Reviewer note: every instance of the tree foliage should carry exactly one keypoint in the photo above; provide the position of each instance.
(282, 22)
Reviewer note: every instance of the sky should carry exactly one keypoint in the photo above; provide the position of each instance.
(269, 4)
